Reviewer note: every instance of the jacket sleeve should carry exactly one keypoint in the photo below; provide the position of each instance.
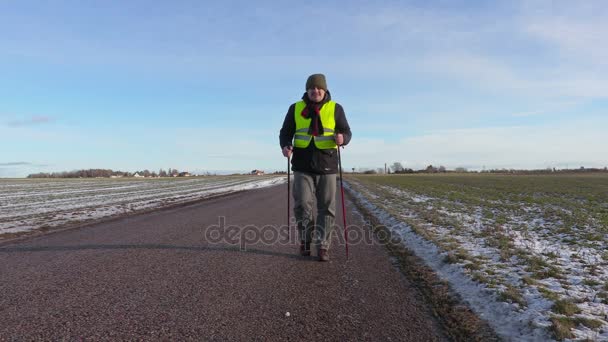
(289, 128)
(341, 124)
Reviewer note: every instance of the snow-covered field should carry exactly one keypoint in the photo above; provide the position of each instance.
(529, 254)
(29, 204)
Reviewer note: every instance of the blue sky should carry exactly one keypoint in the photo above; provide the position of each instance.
(199, 85)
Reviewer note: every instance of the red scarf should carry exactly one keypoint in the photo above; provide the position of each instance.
(315, 128)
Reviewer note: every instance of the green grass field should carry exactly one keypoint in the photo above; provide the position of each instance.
(527, 237)
(583, 198)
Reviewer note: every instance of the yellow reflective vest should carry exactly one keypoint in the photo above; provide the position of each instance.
(326, 140)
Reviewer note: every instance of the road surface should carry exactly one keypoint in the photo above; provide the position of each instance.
(164, 275)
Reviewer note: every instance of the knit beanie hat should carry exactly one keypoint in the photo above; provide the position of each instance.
(316, 80)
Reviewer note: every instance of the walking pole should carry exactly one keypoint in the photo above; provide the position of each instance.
(343, 209)
(288, 196)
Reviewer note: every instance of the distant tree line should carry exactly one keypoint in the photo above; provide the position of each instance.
(398, 168)
(582, 169)
(107, 173)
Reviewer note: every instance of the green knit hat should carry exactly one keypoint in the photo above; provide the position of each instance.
(316, 80)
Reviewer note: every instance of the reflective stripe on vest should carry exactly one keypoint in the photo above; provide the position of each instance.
(302, 138)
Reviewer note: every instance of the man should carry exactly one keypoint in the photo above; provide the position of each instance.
(317, 126)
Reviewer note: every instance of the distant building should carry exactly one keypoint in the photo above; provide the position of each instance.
(257, 172)
(137, 175)
(184, 174)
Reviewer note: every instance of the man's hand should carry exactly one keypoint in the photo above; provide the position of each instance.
(287, 151)
(339, 139)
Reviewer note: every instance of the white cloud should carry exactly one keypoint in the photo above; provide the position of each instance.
(491, 74)
(14, 164)
(481, 70)
(548, 108)
(34, 120)
(577, 29)
(573, 143)
(583, 40)
(574, 32)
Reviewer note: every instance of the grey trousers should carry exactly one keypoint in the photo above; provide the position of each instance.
(307, 188)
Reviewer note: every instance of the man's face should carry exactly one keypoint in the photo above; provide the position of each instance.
(316, 94)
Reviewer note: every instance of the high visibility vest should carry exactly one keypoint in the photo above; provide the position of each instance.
(326, 140)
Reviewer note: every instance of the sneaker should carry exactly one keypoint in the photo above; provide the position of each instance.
(305, 249)
(323, 255)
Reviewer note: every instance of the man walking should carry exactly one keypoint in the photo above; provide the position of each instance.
(316, 126)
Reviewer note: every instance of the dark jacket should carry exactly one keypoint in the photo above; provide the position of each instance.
(312, 159)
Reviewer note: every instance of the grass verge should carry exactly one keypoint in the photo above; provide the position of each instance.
(459, 322)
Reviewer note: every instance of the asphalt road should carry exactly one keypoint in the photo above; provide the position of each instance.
(165, 276)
